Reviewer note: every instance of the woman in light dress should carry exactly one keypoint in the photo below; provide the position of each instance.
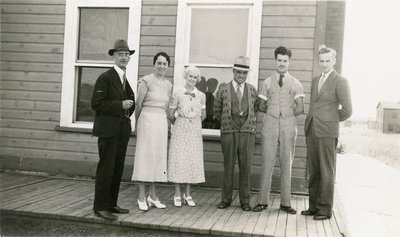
(152, 100)
(187, 109)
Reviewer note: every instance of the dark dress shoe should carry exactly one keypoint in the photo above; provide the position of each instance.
(106, 215)
(319, 217)
(223, 205)
(289, 210)
(119, 210)
(260, 207)
(246, 207)
(308, 213)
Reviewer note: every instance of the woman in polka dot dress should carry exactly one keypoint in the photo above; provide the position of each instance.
(187, 109)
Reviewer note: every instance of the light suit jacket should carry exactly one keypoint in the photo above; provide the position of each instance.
(325, 112)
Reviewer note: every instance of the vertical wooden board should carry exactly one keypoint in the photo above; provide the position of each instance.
(281, 223)
(320, 228)
(311, 225)
(243, 221)
(263, 217)
(291, 226)
(339, 218)
(253, 218)
(193, 213)
(205, 222)
(301, 229)
(273, 217)
(216, 229)
(202, 209)
(335, 228)
(328, 228)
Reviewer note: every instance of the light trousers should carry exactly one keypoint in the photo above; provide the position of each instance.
(277, 133)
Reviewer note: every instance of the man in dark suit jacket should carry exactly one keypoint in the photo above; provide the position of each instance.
(330, 104)
(114, 102)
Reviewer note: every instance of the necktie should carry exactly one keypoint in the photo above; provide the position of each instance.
(281, 80)
(124, 88)
(239, 96)
(124, 80)
(321, 82)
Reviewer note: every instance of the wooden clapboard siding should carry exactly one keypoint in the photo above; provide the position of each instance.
(32, 45)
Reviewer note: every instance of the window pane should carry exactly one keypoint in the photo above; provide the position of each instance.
(99, 28)
(87, 76)
(218, 36)
(210, 81)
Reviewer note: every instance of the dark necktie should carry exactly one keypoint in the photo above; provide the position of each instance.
(124, 88)
(124, 81)
(239, 96)
(281, 80)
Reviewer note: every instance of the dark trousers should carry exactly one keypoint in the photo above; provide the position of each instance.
(112, 151)
(237, 146)
(321, 161)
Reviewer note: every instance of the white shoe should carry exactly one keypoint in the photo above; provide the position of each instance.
(143, 205)
(177, 201)
(157, 203)
(189, 200)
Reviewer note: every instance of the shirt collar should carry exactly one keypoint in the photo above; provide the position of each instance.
(235, 85)
(193, 91)
(119, 71)
(285, 75)
(327, 74)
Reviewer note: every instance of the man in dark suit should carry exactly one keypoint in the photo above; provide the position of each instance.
(330, 104)
(114, 102)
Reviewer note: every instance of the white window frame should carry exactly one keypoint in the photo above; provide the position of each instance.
(183, 39)
(70, 62)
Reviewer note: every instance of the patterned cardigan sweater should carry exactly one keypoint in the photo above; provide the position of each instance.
(223, 109)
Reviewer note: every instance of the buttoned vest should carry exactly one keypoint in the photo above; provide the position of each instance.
(281, 99)
(238, 118)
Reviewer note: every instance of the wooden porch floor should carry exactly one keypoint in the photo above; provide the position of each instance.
(72, 199)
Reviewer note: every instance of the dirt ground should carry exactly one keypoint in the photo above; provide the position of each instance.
(382, 147)
(28, 226)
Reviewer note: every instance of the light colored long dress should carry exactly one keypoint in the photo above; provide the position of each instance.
(185, 157)
(150, 163)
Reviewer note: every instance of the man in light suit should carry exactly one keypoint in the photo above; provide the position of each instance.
(114, 102)
(281, 97)
(330, 104)
(235, 107)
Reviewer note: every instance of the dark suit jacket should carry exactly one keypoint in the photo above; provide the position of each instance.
(107, 98)
(324, 106)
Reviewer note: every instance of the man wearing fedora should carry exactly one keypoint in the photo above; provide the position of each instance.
(281, 97)
(114, 102)
(235, 108)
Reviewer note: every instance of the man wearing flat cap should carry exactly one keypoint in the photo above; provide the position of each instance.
(235, 108)
(114, 102)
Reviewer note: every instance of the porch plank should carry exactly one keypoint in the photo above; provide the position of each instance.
(263, 219)
(69, 199)
(273, 218)
(301, 224)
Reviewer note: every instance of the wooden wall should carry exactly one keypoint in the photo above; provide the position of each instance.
(32, 36)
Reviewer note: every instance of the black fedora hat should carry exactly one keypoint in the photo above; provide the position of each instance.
(120, 45)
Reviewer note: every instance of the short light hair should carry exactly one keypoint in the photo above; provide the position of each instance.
(323, 49)
(191, 69)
